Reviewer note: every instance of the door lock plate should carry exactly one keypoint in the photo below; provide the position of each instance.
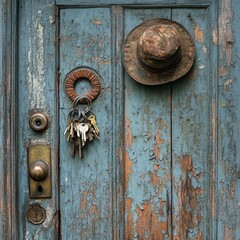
(36, 214)
(39, 166)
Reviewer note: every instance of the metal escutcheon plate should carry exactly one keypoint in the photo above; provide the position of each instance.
(39, 167)
(36, 214)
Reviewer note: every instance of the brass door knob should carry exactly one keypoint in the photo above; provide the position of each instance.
(38, 121)
(38, 170)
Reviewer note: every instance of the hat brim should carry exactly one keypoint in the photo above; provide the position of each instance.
(140, 74)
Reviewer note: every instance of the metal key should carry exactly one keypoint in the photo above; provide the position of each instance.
(72, 130)
(67, 129)
(83, 128)
(73, 149)
(78, 143)
(90, 133)
(68, 123)
(76, 128)
(93, 121)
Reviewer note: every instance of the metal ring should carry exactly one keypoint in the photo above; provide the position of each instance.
(78, 74)
(80, 100)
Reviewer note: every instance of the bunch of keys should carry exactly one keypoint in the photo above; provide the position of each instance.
(81, 128)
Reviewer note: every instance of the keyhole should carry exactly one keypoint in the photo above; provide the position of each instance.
(40, 188)
(38, 122)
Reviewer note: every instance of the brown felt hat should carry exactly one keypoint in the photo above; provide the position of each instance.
(158, 51)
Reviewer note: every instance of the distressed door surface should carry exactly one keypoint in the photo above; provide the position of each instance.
(165, 166)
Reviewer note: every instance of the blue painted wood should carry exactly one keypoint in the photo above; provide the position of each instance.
(228, 121)
(147, 149)
(37, 91)
(163, 3)
(4, 231)
(86, 203)
(195, 2)
(118, 120)
(212, 166)
(166, 165)
(107, 2)
(8, 207)
(191, 129)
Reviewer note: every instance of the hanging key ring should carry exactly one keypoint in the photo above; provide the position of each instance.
(72, 114)
(77, 75)
(81, 100)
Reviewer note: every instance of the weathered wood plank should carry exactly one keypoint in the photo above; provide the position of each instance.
(36, 86)
(213, 74)
(194, 122)
(8, 182)
(147, 149)
(139, 3)
(86, 184)
(107, 2)
(194, 2)
(228, 120)
(191, 138)
(4, 220)
(118, 120)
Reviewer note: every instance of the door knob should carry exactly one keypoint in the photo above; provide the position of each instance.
(38, 121)
(38, 170)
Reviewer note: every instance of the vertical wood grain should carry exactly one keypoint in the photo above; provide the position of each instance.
(86, 184)
(191, 133)
(8, 182)
(184, 202)
(118, 120)
(228, 120)
(115, 2)
(36, 92)
(213, 144)
(147, 149)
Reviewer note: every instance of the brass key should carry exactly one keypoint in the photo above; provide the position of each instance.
(93, 122)
(81, 128)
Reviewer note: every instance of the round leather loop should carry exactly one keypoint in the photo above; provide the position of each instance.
(77, 75)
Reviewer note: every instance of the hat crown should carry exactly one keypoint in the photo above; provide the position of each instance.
(158, 51)
(159, 47)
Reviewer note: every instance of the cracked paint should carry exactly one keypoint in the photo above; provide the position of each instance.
(49, 216)
(35, 70)
(198, 33)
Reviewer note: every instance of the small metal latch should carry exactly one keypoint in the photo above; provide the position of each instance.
(39, 167)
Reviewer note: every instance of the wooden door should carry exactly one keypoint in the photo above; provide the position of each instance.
(166, 164)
